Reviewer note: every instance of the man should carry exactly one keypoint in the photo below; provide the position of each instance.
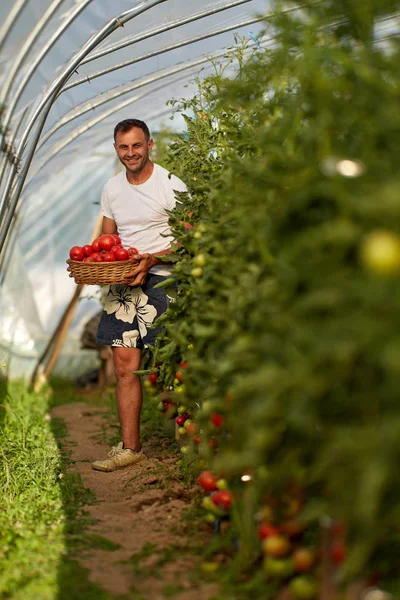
(134, 205)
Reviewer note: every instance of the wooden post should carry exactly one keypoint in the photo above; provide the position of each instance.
(53, 348)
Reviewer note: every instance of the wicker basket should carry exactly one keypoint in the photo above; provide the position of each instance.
(100, 273)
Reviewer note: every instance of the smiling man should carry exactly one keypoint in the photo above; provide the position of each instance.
(134, 205)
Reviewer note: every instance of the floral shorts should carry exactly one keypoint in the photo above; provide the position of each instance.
(129, 312)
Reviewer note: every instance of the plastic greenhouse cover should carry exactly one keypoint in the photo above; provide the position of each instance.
(153, 58)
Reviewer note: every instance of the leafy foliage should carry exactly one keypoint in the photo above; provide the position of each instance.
(288, 333)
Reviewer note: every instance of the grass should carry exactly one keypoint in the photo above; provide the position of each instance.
(43, 517)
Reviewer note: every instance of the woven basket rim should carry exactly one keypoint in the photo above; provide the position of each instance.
(112, 262)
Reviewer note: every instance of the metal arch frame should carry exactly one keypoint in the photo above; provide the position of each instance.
(19, 61)
(10, 21)
(135, 40)
(181, 44)
(41, 112)
(10, 108)
(162, 29)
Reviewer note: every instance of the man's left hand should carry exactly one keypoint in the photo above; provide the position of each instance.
(139, 272)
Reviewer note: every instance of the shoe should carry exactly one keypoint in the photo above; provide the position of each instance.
(120, 457)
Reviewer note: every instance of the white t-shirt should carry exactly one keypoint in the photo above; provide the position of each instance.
(140, 211)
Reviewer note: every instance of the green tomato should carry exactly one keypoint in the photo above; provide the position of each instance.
(202, 228)
(207, 407)
(182, 410)
(209, 567)
(222, 484)
(197, 272)
(278, 567)
(209, 505)
(180, 389)
(304, 587)
(210, 518)
(185, 449)
(187, 423)
(182, 431)
(161, 406)
(197, 235)
(199, 260)
(380, 252)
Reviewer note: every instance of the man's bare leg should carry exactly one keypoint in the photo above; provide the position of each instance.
(129, 394)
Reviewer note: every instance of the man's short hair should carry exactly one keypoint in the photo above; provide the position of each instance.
(129, 124)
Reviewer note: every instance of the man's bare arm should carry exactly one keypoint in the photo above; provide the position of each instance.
(109, 226)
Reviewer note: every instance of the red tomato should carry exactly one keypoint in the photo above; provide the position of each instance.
(122, 254)
(88, 259)
(196, 439)
(116, 237)
(303, 560)
(183, 364)
(88, 250)
(222, 498)
(115, 248)
(76, 253)
(191, 429)
(207, 481)
(170, 407)
(265, 530)
(338, 552)
(97, 257)
(109, 257)
(96, 245)
(132, 252)
(179, 375)
(153, 378)
(106, 242)
(180, 420)
(293, 528)
(217, 420)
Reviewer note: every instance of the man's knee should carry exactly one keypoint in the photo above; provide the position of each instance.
(126, 360)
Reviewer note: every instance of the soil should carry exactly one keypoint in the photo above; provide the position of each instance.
(139, 509)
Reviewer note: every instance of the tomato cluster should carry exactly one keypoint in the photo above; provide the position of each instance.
(106, 248)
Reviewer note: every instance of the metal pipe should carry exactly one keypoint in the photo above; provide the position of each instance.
(10, 21)
(162, 29)
(27, 77)
(181, 44)
(45, 106)
(103, 98)
(91, 105)
(75, 12)
(23, 53)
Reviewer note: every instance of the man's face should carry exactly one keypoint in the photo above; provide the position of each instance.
(133, 149)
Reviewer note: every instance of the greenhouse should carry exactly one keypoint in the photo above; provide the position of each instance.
(199, 290)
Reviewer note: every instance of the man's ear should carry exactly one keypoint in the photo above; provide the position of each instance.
(150, 144)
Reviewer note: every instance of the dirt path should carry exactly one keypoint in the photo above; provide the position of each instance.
(138, 509)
